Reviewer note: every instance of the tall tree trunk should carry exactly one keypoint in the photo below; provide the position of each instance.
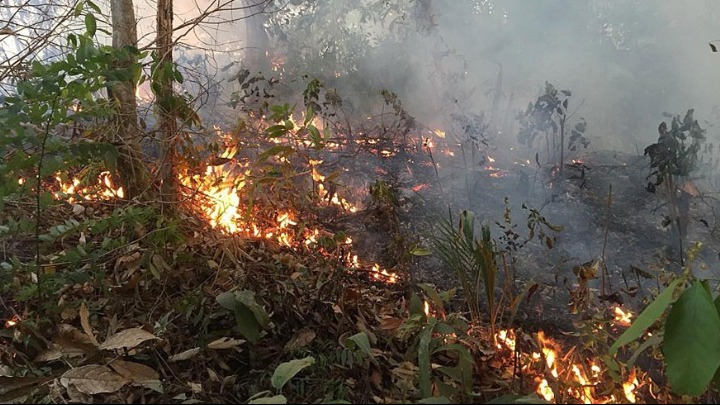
(166, 114)
(132, 169)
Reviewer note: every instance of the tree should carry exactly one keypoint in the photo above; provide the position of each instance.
(126, 133)
(162, 85)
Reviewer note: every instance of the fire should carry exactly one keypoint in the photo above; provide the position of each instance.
(630, 386)
(545, 391)
(12, 321)
(104, 189)
(426, 308)
(507, 338)
(622, 318)
(383, 275)
(440, 133)
(335, 200)
(490, 159)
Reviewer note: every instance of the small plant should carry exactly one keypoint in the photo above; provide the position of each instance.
(431, 332)
(471, 259)
(690, 335)
(672, 159)
(283, 373)
(548, 115)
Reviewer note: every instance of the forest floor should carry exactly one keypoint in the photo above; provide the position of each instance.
(339, 301)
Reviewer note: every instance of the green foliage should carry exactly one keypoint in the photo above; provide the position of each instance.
(692, 341)
(675, 154)
(471, 259)
(282, 374)
(250, 317)
(689, 334)
(647, 317)
(285, 371)
(548, 116)
(430, 337)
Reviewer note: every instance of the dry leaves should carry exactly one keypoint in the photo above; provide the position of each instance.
(93, 379)
(127, 339)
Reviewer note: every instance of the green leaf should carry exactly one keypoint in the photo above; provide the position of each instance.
(282, 150)
(360, 340)
(431, 292)
(247, 298)
(420, 251)
(647, 317)
(285, 371)
(692, 341)
(277, 399)
(250, 317)
(424, 358)
(93, 6)
(90, 24)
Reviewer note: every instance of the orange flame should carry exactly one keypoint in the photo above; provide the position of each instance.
(623, 318)
(630, 386)
(104, 189)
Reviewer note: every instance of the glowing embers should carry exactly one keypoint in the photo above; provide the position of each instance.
(630, 386)
(103, 189)
(333, 199)
(564, 375)
(622, 318)
(376, 272)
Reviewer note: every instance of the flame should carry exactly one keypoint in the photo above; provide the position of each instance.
(426, 308)
(104, 189)
(335, 200)
(545, 391)
(622, 318)
(507, 338)
(630, 386)
(440, 133)
(12, 322)
(490, 159)
(383, 275)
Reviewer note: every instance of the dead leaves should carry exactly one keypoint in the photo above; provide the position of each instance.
(93, 379)
(127, 339)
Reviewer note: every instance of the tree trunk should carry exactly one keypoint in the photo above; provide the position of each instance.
(166, 115)
(132, 169)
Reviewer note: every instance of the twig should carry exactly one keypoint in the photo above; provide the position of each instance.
(607, 227)
(38, 195)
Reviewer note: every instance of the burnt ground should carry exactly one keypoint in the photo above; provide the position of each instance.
(638, 251)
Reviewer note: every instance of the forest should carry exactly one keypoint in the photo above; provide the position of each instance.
(359, 201)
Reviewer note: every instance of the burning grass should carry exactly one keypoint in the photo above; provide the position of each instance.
(307, 276)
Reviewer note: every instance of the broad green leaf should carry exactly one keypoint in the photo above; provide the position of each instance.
(90, 24)
(360, 340)
(285, 371)
(692, 341)
(424, 358)
(647, 317)
(277, 399)
(247, 298)
(432, 293)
